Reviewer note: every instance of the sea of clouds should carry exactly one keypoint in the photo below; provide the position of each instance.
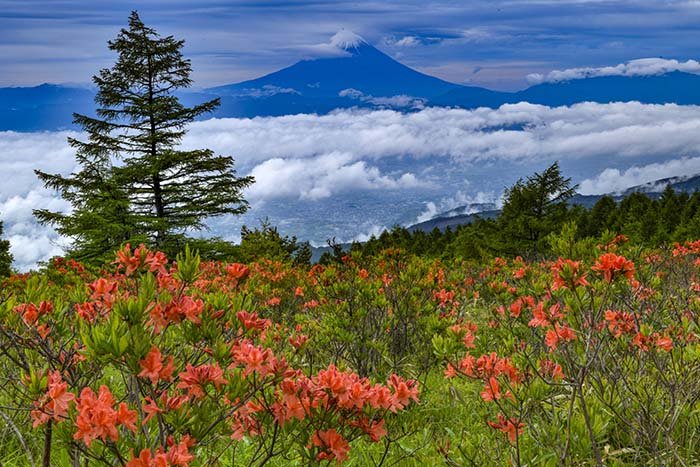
(374, 159)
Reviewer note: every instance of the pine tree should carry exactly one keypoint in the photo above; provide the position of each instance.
(100, 220)
(5, 256)
(132, 170)
(534, 208)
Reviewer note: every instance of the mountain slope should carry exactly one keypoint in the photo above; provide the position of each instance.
(359, 66)
(674, 87)
(43, 107)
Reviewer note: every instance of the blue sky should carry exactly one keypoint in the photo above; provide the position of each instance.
(493, 43)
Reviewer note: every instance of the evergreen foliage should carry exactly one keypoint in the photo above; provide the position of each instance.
(134, 183)
(266, 242)
(5, 255)
(532, 224)
(534, 208)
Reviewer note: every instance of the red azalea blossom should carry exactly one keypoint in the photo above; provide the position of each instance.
(559, 333)
(54, 404)
(567, 274)
(194, 379)
(333, 445)
(612, 265)
(620, 323)
(97, 417)
(237, 272)
(152, 367)
(511, 427)
(664, 343)
(492, 390)
(552, 370)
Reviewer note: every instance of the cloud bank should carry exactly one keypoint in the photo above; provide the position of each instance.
(617, 181)
(513, 132)
(639, 67)
(364, 155)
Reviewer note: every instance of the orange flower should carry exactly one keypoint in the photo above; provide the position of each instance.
(612, 265)
(544, 318)
(664, 343)
(252, 321)
(126, 417)
(156, 262)
(87, 311)
(30, 313)
(129, 262)
(53, 404)
(152, 367)
(404, 391)
(641, 341)
(552, 370)
(147, 459)
(513, 428)
(254, 358)
(191, 308)
(194, 379)
(151, 409)
(620, 323)
(559, 333)
(237, 272)
(567, 274)
(97, 417)
(333, 445)
(376, 431)
(179, 453)
(492, 390)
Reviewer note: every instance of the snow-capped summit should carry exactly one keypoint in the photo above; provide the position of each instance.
(356, 65)
(347, 40)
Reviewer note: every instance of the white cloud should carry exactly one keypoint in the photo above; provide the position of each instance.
(400, 101)
(405, 41)
(321, 177)
(340, 45)
(267, 90)
(639, 67)
(615, 181)
(478, 35)
(471, 204)
(311, 157)
(373, 231)
(30, 242)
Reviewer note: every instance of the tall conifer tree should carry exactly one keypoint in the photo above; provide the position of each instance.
(132, 171)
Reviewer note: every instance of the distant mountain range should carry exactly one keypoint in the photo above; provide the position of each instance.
(357, 75)
(469, 213)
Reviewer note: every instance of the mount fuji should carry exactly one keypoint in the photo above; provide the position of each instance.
(353, 65)
(349, 72)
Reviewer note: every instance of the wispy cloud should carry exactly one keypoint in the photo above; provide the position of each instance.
(401, 101)
(639, 67)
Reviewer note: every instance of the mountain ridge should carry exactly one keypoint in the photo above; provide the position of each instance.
(443, 220)
(352, 74)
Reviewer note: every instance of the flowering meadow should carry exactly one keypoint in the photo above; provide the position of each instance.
(590, 357)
